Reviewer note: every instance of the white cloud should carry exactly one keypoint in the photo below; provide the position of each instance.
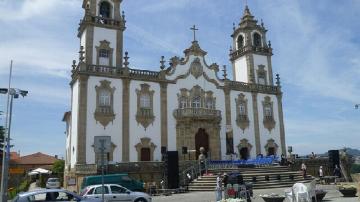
(26, 9)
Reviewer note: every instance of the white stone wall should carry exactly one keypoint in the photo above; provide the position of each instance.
(74, 125)
(113, 129)
(265, 135)
(137, 131)
(101, 34)
(241, 70)
(238, 133)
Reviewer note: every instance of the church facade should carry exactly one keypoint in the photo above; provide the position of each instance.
(185, 105)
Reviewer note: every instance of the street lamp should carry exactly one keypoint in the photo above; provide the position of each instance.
(13, 93)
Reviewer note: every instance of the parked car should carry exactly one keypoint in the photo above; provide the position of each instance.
(122, 179)
(53, 183)
(114, 192)
(51, 195)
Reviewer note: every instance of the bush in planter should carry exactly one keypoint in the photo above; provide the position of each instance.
(320, 194)
(348, 190)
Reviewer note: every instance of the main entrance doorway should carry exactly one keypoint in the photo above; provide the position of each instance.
(201, 140)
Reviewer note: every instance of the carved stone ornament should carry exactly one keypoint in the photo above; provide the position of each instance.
(268, 119)
(271, 144)
(104, 114)
(196, 69)
(244, 143)
(194, 50)
(145, 114)
(145, 142)
(242, 119)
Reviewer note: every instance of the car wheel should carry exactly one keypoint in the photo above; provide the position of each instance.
(140, 200)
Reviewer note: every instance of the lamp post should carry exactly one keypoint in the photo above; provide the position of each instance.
(13, 93)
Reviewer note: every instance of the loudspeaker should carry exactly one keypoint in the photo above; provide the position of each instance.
(172, 168)
(333, 158)
(163, 150)
(184, 150)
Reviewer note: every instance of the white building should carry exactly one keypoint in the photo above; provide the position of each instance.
(187, 104)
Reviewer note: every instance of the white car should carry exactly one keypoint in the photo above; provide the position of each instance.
(114, 192)
(53, 183)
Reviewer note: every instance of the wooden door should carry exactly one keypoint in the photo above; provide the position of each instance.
(201, 140)
(145, 154)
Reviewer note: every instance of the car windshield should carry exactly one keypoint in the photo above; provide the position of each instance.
(53, 180)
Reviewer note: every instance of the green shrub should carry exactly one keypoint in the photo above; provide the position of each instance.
(355, 168)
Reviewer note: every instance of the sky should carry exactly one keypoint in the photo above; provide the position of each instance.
(316, 48)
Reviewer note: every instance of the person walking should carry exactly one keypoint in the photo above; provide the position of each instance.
(218, 187)
(303, 169)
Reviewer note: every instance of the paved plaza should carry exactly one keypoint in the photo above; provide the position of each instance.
(332, 195)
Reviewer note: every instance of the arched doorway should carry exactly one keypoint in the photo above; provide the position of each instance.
(244, 153)
(271, 151)
(201, 140)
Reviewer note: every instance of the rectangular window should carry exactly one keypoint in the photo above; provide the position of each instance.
(104, 53)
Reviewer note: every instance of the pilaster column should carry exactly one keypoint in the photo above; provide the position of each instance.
(119, 49)
(256, 123)
(281, 120)
(271, 80)
(81, 123)
(89, 45)
(229, 135)
(164, 117)
(125, 120)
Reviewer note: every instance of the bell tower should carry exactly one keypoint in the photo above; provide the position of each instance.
(250, 55)
(101, 33)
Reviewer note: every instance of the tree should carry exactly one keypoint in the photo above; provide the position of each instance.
(58, 169)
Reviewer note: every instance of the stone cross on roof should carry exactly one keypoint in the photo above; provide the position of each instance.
(194, 29)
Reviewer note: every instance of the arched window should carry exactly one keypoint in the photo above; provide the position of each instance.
(240, 41)
(105, 9)
(195, 102)
(104, 98)
(145, 101)
(257, 39)
(182, 103)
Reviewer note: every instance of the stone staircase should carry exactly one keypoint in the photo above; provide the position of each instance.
(278, 176)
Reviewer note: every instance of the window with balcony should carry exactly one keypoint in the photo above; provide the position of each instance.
(196, 102)
(104, 112)
(104, 53)
(268, 119)
(145, 115)
(104, 98)
(242, 119)
(261, 75)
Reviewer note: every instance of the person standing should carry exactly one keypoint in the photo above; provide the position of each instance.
(303, 169)
(218, 188)
(321, 174)
(337, 172)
